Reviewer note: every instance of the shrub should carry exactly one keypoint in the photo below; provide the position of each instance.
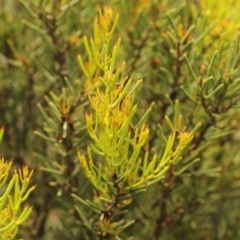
(128, 113)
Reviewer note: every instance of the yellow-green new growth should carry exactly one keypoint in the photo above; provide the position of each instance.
(114, 138)
(12, 214)
(115, 162)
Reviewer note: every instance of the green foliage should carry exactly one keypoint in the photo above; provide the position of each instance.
(120, 171)
(128, 112)
(13, 194)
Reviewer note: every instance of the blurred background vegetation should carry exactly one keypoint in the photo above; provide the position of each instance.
(186, 51)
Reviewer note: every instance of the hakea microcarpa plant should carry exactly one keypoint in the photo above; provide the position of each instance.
(115, 163)
(12, 213)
